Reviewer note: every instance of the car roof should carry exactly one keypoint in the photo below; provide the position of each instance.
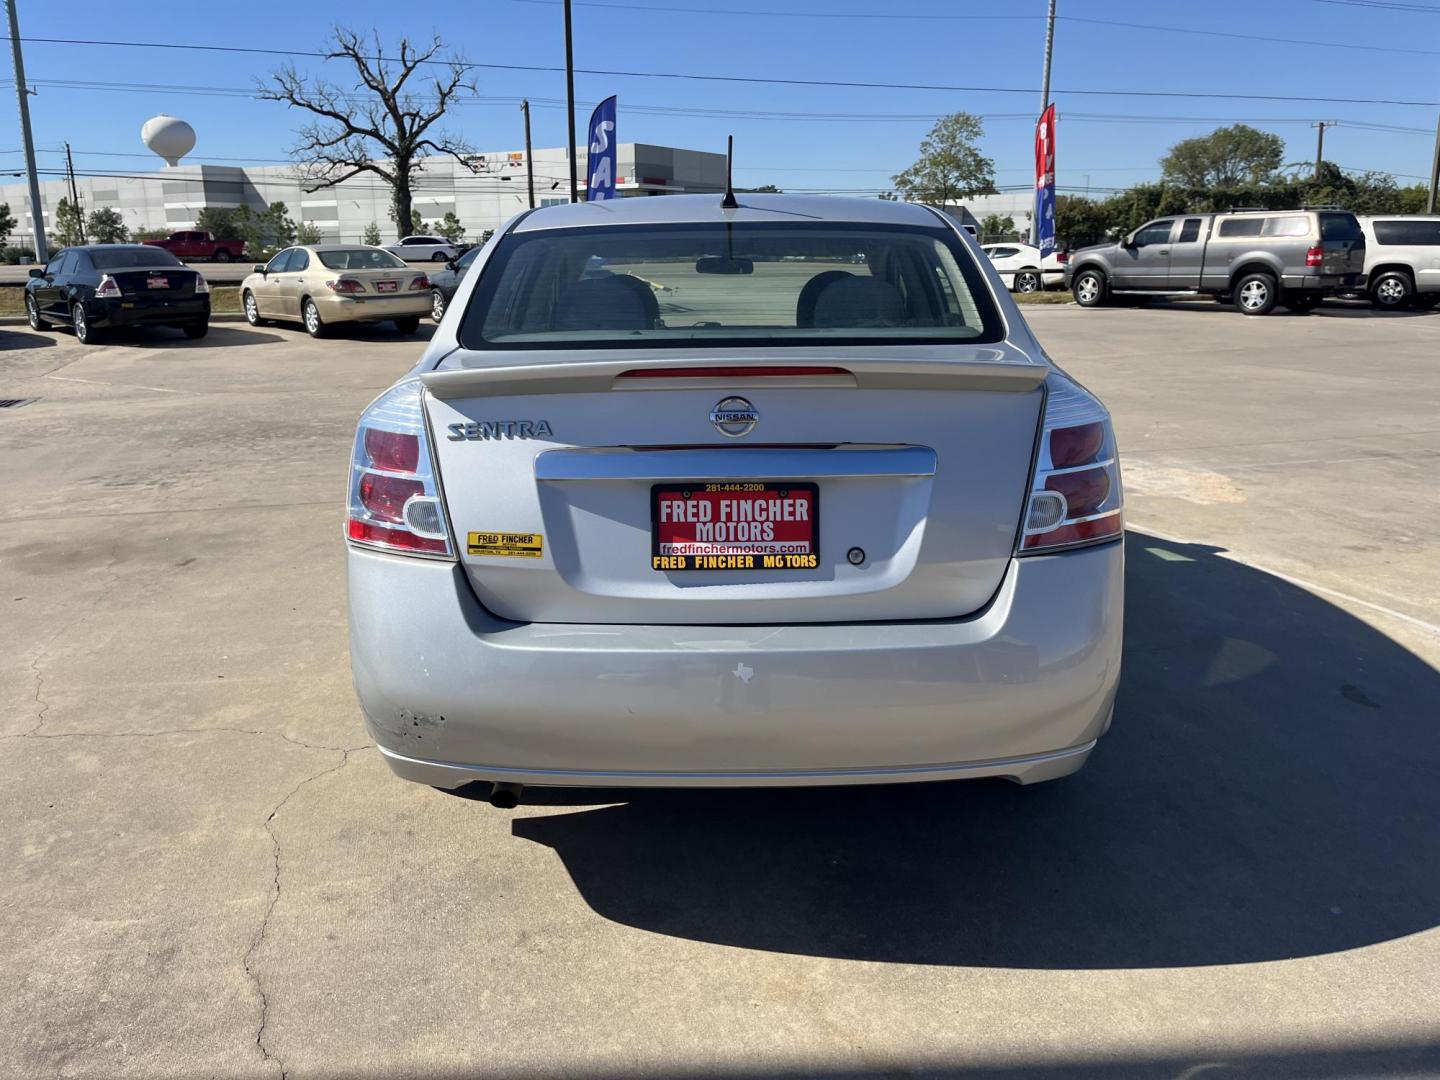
(706, 209)
(338, 247)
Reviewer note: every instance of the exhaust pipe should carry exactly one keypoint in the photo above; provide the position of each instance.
(504, 796)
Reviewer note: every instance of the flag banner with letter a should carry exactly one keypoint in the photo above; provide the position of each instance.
(600, 167)
(1045, 180)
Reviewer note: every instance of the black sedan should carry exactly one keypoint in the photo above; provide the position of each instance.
(102, 286)
(443, 283)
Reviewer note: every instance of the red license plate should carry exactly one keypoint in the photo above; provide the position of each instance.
(157, 282)
(737, 525)
(387, 286)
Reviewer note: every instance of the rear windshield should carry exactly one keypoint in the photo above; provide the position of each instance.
(360, 259)
(750, 283)
(1420, 231)
(128, 258)
(1340, 227)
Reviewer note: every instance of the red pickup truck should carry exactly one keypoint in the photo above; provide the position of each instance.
(200, 245)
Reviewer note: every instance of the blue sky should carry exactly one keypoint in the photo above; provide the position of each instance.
(994, 45)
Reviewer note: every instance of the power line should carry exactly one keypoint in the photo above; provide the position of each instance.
(762, 81)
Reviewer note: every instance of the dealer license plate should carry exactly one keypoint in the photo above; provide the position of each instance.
(766, 525)
(157, 282)
(387, 286)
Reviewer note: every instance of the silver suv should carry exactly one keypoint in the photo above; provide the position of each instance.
(1258, 258)
(1402, 259)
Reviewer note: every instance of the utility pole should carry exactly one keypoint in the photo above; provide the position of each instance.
(74, 194)
(569, 102)
(1320, 142)
(1434, 171)
(1044, 100)
(529, 155)
(37, 215)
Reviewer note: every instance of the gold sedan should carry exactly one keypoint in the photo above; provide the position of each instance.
(319, 285)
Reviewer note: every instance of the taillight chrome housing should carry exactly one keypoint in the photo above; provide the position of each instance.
(108, 287)
(1076, 499)
(395, 501)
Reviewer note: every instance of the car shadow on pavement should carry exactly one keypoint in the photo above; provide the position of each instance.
(1268, 790)
(219, 337)
(24, 339)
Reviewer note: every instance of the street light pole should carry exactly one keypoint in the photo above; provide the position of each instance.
(529, 153)
(1434, 171)
(37, 215)
(1320, 143)
(569, 102)
(74, 193)
(1044, 102)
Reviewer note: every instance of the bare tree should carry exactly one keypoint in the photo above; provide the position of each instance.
(379, 125)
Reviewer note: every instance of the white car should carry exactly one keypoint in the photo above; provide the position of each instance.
(685, 495)
(1023, 270)
(425, 249)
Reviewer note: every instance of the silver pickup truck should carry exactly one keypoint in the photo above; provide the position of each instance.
(1257, 258)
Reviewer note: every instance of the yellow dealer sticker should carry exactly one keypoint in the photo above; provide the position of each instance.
(507, 545)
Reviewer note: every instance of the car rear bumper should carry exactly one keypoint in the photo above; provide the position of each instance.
(452, 694)
(111, 313)
(343, 309)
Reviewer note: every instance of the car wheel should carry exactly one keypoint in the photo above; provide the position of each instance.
(439, 256)
(1089, 288)
(222, 255)
(1256, 294)
(196, 329)
(437, 304)
(1392, 290)
(408, 325)
(32, 314)
(252, 309)
(84, 332)
(1027, 281)
(313, 324)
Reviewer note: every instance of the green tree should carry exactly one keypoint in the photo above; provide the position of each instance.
(69, 223)
(1080, 221)
(1227, 157)
(763, 189)
(7, 223)
(372, 235)
(382, 120)
(106, 226)
(950, 166)
(305, 233)
(223, 222)
(141, 235)
(997, 225)
(450, 228)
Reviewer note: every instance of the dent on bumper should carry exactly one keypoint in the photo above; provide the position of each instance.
(452, 694)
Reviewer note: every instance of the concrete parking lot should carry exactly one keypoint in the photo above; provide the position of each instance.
(208, 872)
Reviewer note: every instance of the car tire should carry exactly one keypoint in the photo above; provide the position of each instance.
(32, 313)
(196, 329)
(1027, 281)
(408, 324)
(1089, 288)
(252, 308)
(222, 255)
(437, 305)
(85, 334)
(440, 257)
(1392, 290)
(1256, 294)
(314, 325)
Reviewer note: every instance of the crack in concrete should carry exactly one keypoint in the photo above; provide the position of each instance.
(259, 938)
(43, 705)
(31, 734)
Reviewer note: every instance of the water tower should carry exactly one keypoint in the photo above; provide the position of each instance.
(169, 137)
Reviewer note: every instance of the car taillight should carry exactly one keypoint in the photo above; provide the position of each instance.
(420, 284)
(1315, 256)
(1062, 257)
(108, 287)
(201, 285)
(1076, 498)
(345, 285)
(394, 499)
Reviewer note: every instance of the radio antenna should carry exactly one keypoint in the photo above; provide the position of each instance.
(729, 203)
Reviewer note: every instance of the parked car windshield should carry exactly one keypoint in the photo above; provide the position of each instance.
(360, 259)
(749, 283)
(126, 258)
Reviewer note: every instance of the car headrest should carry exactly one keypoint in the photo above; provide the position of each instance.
(805, 306)
(606, 303)
(859, 301)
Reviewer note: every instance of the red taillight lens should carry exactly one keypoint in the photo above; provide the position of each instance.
(394, 499)
(729, 373)
(1076, 498)
(420, 283)
(1315, 256)
(1062, 257)
(393, 451)
(346, 286)
(108, 287)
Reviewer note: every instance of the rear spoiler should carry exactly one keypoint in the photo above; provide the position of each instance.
(991, 369)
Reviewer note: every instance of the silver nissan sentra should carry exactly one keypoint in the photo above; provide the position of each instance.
(779, 494)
